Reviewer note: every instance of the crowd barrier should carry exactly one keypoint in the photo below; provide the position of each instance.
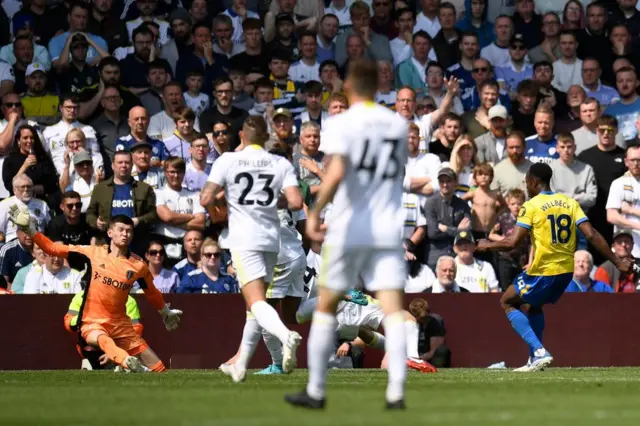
(581, 330)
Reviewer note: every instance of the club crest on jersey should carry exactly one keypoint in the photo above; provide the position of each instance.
(523, 211)
(37, 212)
(130, 274)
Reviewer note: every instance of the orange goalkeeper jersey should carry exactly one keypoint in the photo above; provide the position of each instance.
(111, 280)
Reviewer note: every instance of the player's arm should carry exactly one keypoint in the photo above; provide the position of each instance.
(509, 243)
(209, 194)
(597, 240)
(171, 317)
(49, 247)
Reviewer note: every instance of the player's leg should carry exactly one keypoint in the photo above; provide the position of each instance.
(152, 361)
(126, 337)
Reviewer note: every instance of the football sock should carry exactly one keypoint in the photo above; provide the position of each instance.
(274, 346)
(158, 367)
(322, 339)
(250, 339)
(412, 333)
(520, 324)
(378, 341)
(269, 319)
(305, 310)
(537, 325)
(396, 348)
(108, 346)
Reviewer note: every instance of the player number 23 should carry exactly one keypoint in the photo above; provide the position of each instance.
(560, 228)
(266, 188)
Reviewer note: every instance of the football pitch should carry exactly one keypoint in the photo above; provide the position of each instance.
(355, 397)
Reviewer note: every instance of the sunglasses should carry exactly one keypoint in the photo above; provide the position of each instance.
(220, 133)
(606, 129)
(216, 255)
(71, 206)
(12, 104)
(482, 69)
(518, 47)
(156, 252)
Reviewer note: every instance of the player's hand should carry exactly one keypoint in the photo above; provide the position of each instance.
(343, 350)
(171, 317)
(483, 245)
(314, 228)
(626, 266)
(20, 217)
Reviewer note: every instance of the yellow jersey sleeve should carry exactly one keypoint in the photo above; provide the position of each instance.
(578, 214)
(526, 215)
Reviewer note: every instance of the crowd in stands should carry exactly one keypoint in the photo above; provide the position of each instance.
(122, 106)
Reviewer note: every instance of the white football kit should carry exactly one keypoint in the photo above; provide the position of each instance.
(253, 179)
(364, 232)
(288, 276)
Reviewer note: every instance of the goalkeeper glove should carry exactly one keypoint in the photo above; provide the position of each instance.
(171, 317)
(21, 217)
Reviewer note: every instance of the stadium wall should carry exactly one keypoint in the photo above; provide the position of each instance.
(581, 330)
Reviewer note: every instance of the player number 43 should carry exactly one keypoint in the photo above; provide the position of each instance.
(384, 161)
(560, 228)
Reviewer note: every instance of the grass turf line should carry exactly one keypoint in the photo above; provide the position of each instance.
(355, 397)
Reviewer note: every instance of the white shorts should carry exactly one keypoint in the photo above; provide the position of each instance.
(253, 265)
(288, 279)
(351, 317)
(380, 269)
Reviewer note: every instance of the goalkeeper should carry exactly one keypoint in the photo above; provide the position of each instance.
(113, 270)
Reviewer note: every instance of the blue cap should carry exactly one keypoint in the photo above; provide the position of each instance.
(22, 21)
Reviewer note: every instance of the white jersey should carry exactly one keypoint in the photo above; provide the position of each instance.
(479, 277)
(351, 317)
(38, 210)
(40, 281)
(183, 202)
(290, 239)
(367, 208)
(311, 274)
(252, 179)
(198, 104)
(420, 282)
(54, 141)
(626, 188)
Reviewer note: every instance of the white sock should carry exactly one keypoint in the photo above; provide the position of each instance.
(305, 310)
(396, 354)
(269, 319)
(250, 339)
(413, 332)
(322, 339)
(378, 341)
(274, 346)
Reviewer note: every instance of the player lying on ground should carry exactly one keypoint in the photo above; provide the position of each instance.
(553, 221)
(104, 323)
(252, 180)
(359, 324)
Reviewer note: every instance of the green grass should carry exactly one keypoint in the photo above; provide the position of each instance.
(200, 398)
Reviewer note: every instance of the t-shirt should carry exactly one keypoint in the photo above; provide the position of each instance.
(194, 179)
(183, 267)
(300, 72)
(373, 141)
(290, 239)
(40, 280)
(198, 282)
(479, 277)
(198, 104)
(252, 179)
(431, 326)
(443, 152)
(183, 201)
(626, 114)
(626, 189)
(566, 75)
(158, 149)
(61, 230)
(12, 258)
(538, 151)
(496, 55)
(123, 202)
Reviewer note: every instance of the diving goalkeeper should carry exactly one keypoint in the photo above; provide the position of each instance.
(113, 269)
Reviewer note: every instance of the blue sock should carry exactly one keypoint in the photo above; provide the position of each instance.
(520, 324)
(537, 325)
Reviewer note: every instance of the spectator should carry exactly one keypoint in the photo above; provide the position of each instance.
(220, 136)
(492, 145)
(198, 11)
(573, 16)
(45, 20)
(241, 99)
(446, 43)
(475, 21)
(223, 110)
(386, 94)
(222, 32)
(158, 77)
(446, 277)
(463, 70)
(59, 45)
(312, 91)
(29, 158)
(516, 69)
(327, 31)
(420, 278)
(593, 40)
(626, 13)
(340, 9)
(53, 278)
(446, 213)
(39, 105)
(446, 136)
(7, 79)
(147, 13)
(497, 53)
(136, 64)
(283, 130)
(142, 170)
(284, 41)
(78, 75)
(622, 246)
(197, 170)
(523, 112)
(22, 187)
(421, 168)
(591, 72)
(202, 58)
(621, 205)
(178, 145)
(308, 162)
(549, 49)
(463, 159)
(381, 22)
(627, 110)
(112, 124)
(181, 24)
(285, 91)
(475, 275)
(121, 194)
(485, 203)
(161, 126)
(587, 135)
(254, 58)
(570, 120)
(308, 67)
(541, 147)
(477, 121)
(552, 97)
(192, 242)
(24, 50)
(427, 20)
(17, 286)
(401, 45)
(606, 160)
(509, 173)
(510, 264)
(91, 97)
(528, 23)
(178, 209)
(582, 282)
(75, 143)
(482, 73)
(165, 280)
(571, 176)
(140, 124)
(14, 255)
(238, 13)
(436, 87)
(431, 345)
(85, 178)
(208, 278)
(413, 71)
(377, 46)
(102, 20)
(623, 47)
(567, 68)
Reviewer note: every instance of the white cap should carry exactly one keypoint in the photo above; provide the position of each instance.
(33, 68)
(498, 111)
